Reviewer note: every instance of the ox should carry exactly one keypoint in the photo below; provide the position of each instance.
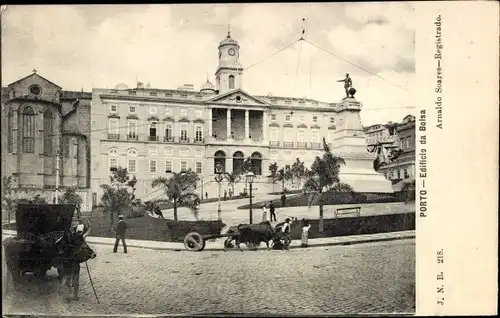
(251, 234)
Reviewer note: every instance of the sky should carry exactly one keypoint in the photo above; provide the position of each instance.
(99, 46)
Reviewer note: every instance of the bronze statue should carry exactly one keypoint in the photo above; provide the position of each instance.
(347, 84)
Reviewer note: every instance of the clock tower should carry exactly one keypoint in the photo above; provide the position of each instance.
(229, 72)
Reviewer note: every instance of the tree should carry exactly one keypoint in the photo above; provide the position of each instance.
(118, 195)
(180, 191)
(273, 169)
(283, 175)
(324, 178)
(233, 178)
(71, 197)
(8, 196)
(298, 171)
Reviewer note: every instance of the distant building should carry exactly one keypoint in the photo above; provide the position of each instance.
(40, 119)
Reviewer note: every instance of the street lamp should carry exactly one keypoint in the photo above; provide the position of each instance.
(218, 178)
(250, 176)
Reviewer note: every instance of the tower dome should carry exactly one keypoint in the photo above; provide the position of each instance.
(207, 87)
(121, 86)
(228, 40)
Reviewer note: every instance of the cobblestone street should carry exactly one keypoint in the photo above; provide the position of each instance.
(364, 278)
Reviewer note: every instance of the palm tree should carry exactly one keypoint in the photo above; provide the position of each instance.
(283, 175)
(180, 191)
(324, 178)
(298, 171)
(117, 196)
(233, 178)
(273, 169)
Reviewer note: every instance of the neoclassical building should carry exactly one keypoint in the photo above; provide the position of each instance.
(154, 132)
(39, 120)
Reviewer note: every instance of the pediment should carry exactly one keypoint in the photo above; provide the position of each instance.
(35, 87)
(238, 97)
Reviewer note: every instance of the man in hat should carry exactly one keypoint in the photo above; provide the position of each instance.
(121, 228)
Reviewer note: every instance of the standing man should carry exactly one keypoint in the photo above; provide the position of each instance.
(347, 84)
(206, 195)
(283, 200)
(225, 195)
(121, 228)
(272, 212)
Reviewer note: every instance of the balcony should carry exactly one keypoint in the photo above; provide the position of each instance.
(288, 143)
(274, 143)
(153, 138)
(316, 145)
(184, 140)
(199, 140)
(132, 137)
(114, 136)
(168, 139)
(301, 144)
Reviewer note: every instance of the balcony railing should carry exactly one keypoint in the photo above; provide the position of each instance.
(302, 144)
(168, 139)
(199, 140)
(114, 136)
(274, 143)
(316, 145)
(152, 138)
(288, 143)
(184, 140)
(132, 137)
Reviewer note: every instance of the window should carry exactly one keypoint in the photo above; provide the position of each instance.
(184, 166)
(199, 133)
(152, 166)
(152, 129)
(48, 133)
(153, 151)
(131, 109)
(168, 111)
(113, 108)
(168, 152)
(288, 134)
(132, 165)
(152, 110)
(113, 164)
(332, 120)
(302, 136)
(287, 117)
(132, 128)
(274, 134)
(402, 143)
(184, 132)
(10, 139)
(231, 82)
(199, 153)
(184, 152)
(273, 155)
(184, 112)
(331, 136)
(168, 166)
(28, 130)
(315, 136)
(315, 119)
(405, 173)
(168, 132)
(198, 167)
(399, 174)
(273, 117)
(113, 160)
(199, 114)
(114, 126)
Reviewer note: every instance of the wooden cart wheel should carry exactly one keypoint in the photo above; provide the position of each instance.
(194, 242)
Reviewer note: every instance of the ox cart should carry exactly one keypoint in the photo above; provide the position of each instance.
(250, 234)
(45, 239)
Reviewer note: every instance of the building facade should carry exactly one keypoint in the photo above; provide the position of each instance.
(154, 132)
(40, 120)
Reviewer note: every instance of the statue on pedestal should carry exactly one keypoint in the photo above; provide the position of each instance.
(349, 90)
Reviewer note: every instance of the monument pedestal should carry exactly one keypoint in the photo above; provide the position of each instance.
(350, 144)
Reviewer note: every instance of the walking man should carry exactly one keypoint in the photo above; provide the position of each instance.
(121, 228)
(272, 212)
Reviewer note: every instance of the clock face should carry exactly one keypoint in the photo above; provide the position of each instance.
(231, 52)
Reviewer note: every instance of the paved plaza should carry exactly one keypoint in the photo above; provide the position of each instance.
(364, 278)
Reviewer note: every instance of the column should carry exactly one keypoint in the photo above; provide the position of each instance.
(264, 126)
(228, 123)
(209, 122)
(247, 124)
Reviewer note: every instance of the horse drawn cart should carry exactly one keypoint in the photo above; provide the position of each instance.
(249, 234)
(45, 239)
